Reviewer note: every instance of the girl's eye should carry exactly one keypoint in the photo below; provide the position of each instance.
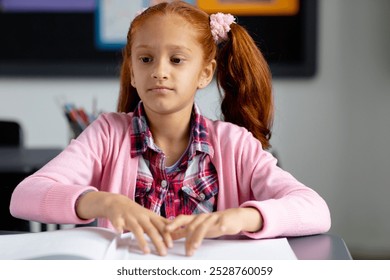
(145, 59)
(176, 60)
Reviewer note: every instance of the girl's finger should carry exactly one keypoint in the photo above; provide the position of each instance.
(138, 232)
(179, 233)
(119, 225)
(197, 231)
(179, 222)
(167, 238)
(155, 236)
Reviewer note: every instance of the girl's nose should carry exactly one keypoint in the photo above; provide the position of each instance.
(160, 71)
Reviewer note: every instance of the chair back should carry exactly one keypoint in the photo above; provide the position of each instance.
(11, 134)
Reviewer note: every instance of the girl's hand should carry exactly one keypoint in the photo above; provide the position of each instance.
(228, 222)
(127, 215)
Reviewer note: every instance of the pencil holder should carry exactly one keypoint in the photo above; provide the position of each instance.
(74, 131)
(77, 119)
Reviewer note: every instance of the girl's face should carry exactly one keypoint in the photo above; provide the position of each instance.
(167, 65)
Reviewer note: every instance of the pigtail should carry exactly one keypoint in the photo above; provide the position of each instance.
(245, 78)
(128, 95)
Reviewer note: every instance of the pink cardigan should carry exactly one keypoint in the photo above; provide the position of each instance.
(100, 160)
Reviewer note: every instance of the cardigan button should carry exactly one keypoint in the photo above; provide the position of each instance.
(164, 183)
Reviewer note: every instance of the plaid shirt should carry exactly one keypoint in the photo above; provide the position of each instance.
(188, 187)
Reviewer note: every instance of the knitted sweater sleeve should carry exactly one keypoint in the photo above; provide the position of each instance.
(251, 174)
(50, 194)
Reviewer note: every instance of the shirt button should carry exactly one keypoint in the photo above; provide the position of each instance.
(202, 196)
(164, 183)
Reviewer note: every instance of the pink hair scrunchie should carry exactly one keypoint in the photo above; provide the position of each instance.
(220, 26)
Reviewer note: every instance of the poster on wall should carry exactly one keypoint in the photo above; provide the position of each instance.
(250, 7)
(46, 6)
(113, 19)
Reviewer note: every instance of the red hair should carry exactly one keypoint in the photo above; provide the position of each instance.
(242, 72)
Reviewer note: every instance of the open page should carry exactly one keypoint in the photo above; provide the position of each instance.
(228, 248)
(100, 243)
(77, 243)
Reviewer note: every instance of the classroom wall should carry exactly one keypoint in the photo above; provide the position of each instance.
(331, 131)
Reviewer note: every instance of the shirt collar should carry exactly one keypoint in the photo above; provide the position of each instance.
(142, 139)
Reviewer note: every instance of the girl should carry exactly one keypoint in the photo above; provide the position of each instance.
(162, 169)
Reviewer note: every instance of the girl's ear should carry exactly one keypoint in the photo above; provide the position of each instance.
(132, 76)
(207, 74)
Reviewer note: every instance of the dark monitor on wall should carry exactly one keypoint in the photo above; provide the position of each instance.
(58, 38)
